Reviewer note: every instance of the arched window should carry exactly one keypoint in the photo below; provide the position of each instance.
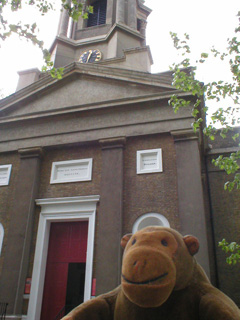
(99, 13)
(1, 237)
(150, 219)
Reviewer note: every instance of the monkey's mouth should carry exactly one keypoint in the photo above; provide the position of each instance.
(147, 281)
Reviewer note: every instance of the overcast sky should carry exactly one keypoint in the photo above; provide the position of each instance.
(208, 22)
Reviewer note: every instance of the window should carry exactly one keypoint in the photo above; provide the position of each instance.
(139, 24)
(150, 219)
(98, 16)
(1, 237)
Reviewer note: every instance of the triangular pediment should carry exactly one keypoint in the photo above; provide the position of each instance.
(83, 87)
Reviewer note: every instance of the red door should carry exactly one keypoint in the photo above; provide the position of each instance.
(67, 244)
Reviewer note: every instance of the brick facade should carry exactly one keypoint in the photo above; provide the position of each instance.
(225, 209)
(154, 192)
(6, 197)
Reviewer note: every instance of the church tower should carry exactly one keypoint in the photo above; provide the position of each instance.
(113, 35)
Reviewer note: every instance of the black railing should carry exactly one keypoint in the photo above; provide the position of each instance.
(3, 310)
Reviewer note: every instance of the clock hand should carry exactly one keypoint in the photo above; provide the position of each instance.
(90, 53)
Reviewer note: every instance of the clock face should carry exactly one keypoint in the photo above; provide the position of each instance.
(90, 56)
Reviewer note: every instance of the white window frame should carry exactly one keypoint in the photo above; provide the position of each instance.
(140, 157)
(82, 208)
(67, 164)
(1, 237)
(147, 215)
(8, 169)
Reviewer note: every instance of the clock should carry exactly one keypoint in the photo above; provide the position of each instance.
(90, 56)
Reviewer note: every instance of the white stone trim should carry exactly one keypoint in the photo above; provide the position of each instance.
(71, 171)
(60, 210)
(149, 161)
(164, 222)
(1, 237)
(6, 169)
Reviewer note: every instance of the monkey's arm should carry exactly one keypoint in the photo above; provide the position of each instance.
(217, 306)
(100, 308)
(91, 310)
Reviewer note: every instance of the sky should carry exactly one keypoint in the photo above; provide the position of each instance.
(208, 22)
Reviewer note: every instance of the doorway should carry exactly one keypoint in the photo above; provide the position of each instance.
(65, 268)
(53, 210)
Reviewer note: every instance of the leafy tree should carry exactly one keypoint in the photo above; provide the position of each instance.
(29, 32)
(233, 248)
(184, 79)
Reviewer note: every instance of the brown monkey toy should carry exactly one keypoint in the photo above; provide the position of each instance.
(161, 280)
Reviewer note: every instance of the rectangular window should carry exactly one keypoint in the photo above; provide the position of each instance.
(98, 16)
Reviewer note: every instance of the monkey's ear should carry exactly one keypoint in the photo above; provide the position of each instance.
(125, 240)
(192, 244)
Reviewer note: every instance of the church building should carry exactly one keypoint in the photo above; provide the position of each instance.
(97, 154)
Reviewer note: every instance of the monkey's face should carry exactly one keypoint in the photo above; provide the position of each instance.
(148, 270)
(153, 264)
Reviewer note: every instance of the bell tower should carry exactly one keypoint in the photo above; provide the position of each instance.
(113, 35)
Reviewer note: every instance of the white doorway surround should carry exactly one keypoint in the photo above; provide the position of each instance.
(82, 208)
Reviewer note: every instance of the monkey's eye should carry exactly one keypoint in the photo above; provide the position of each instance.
(164, 243)
(134, 241)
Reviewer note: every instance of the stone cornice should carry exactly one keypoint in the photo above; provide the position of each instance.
(143, 7)
(123, 58)
(113, 143)
(93, 199)
(36, 152)
(95, 39)
(183, 135)
(222, 150)
(92, 106)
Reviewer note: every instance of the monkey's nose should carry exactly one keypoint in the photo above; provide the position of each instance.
(139, 264)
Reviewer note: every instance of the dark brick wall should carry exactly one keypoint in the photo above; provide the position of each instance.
(227, 142)
(225, 214)
(153, 192)
(47, 190)
(226, 224)
(156, 192)
(6, 197)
